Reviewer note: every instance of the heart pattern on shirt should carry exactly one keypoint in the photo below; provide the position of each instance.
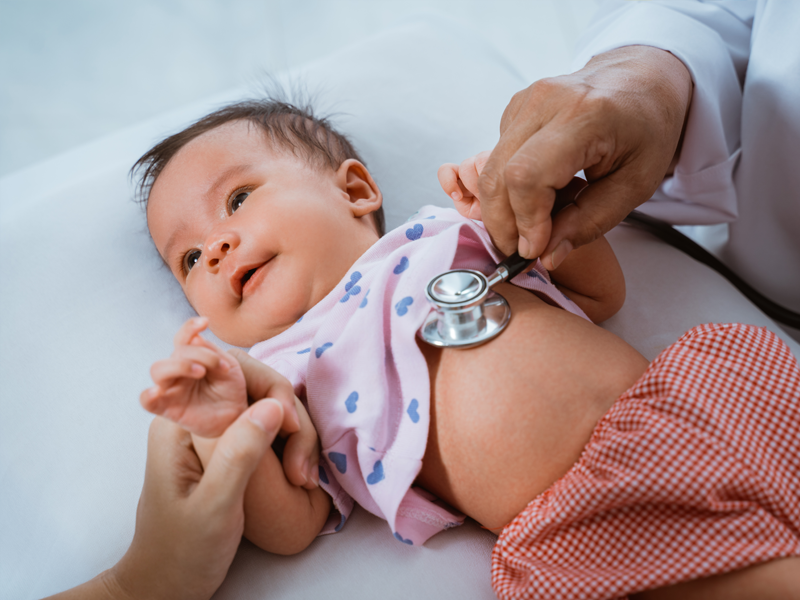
(339, 460)
(402, 307)
(397, 536)
(350, 403)
(350, 288)
(377, 473)
(322, 348)
(415, 232)
(401, 266)
(413, 410)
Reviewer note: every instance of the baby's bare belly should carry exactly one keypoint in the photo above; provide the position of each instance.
(509, 418)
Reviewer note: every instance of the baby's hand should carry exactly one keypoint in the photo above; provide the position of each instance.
(200, 387)
(460, 182)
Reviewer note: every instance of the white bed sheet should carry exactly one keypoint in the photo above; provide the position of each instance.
(86, 307)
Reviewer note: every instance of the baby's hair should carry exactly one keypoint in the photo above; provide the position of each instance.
(290, 126)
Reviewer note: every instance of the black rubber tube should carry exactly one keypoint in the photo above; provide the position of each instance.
(515, 265)
(673, 237)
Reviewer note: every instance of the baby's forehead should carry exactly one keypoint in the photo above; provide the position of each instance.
(234, 136)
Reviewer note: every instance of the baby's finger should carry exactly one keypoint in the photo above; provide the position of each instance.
(210, 359)
(158, 400)
(188, 330)
(468, 173)
(165, 372)
(448, 179)
(301, 453)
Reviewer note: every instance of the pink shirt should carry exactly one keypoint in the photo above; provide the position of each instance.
(354, 361)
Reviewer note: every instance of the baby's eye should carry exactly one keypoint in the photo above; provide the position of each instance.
(190, 259)
(237, 200)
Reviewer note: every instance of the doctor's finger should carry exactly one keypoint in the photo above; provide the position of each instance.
(301, 453)
(544, 164)
(600, 207)
(264, 382)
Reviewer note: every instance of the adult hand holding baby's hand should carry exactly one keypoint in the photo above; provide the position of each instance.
(301, 452)
(190, 520)
(200, 387)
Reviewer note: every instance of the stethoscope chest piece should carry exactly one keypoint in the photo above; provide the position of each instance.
(466, 312)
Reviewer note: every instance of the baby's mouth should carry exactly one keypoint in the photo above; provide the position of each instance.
(247, 276)
(251, 279)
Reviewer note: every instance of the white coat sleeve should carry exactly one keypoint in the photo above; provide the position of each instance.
(713, 41)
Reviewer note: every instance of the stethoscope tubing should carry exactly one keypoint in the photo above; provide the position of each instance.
(666, 233)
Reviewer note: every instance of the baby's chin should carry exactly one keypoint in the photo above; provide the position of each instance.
(248, 338)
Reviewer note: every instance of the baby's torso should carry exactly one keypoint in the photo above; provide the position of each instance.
(510, 417)
(495, 425)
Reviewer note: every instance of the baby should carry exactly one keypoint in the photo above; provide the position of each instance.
(552, 432)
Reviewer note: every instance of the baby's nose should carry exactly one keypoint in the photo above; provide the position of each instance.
(217, 250)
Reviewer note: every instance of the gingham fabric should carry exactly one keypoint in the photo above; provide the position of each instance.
(695, 471)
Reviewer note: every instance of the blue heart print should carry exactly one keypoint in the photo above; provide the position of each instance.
(350, 403)
(339, 460)
(397, 536)
(413, 410)
(377, 473)
(431, 217)
(340, 525)
(402, 306)
(306, 351)
(401, 266)
(323, 476)
(535, 274)
(322, 348)
(364, 301)
(415, 232)
(350, 288)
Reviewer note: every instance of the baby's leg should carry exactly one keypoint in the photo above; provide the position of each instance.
(775, 580)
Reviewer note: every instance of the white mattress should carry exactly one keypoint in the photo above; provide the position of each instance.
(86, 308)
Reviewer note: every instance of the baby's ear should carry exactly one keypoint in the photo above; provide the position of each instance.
(359, 186)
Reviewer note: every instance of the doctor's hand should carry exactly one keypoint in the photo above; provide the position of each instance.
(189, 522)
(620, 119)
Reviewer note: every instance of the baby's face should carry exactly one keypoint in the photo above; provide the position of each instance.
(255, 235)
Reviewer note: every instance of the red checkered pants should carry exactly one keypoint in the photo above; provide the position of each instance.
(694, 471)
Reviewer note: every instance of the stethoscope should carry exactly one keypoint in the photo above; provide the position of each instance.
(466, 312)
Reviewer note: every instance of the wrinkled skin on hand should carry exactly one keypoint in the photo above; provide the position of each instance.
(619, 119)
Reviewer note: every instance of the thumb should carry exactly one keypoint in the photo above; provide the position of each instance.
(598, 208)
(238, 453)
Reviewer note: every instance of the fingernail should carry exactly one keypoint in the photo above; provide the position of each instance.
(315, 475)
(455, 196)
(524, 247)
(153, 391)
(224, 364)
(306, 473)
(264, 416)
(198, 370)
(560, 253)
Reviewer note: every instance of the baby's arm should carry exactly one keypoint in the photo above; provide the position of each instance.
(590, 276)
(280, 516)
(204, 389)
